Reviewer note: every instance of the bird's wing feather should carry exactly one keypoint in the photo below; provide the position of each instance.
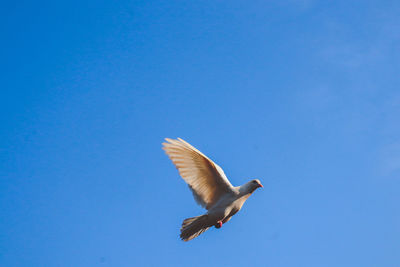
(205, 178)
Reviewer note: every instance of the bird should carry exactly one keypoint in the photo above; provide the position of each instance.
(210, 187)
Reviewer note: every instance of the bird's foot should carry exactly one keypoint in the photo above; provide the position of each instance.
(218, 225)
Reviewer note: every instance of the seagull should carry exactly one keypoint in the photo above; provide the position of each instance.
(210, 187)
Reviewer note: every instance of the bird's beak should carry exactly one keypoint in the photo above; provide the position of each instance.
(260, 185)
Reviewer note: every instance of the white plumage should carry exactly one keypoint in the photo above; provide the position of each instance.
(210, 186)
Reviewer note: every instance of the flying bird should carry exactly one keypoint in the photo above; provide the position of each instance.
(210, 187)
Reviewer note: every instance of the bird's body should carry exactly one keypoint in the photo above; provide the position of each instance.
(210, 186)
(228, 205)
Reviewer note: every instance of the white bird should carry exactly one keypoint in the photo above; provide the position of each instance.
(210, 186)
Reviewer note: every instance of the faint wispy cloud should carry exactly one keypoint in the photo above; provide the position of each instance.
(376, 41)
(390, 159)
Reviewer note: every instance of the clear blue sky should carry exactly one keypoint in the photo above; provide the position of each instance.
(303, 95)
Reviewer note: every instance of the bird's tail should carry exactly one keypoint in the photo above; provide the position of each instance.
(193, 227)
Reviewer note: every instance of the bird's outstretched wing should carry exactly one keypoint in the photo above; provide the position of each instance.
(206, 179)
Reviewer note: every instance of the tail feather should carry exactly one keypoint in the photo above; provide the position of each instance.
(193, 227)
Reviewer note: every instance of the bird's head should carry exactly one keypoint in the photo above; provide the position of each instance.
(256, 183)
(251, 186)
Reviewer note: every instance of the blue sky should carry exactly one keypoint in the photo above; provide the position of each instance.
(303, 95)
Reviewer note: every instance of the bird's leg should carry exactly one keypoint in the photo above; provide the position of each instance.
(218, 225)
